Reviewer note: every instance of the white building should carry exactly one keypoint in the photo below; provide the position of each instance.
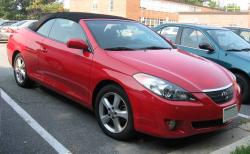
(168, 6)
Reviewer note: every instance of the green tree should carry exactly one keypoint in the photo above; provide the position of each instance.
(28, 9)
(213, 4)
(197, 2)
(232, 8)
(39, 7)
(13, 9)
(1, 9)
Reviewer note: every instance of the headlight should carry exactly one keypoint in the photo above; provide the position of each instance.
(233, 77)
(164, 88)
(235, 82)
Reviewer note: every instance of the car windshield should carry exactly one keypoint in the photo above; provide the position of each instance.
(228, 40)
(8, 23)
(19, 23)
(125, 35)
(28, 23)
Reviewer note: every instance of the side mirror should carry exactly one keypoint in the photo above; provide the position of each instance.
(77, 44)
(206, 46)
(170, 42)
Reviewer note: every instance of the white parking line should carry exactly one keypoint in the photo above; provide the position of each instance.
(35, 125)
(244, 116)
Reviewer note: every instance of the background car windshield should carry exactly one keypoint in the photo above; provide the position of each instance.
(8, 23)
(19, 23)
(228, 40)
(125, 35)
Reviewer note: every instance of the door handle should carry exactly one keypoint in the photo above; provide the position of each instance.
(44, 50)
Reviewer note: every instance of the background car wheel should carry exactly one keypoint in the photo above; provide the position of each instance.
(113, 112)
(20, 73)
(244, 86)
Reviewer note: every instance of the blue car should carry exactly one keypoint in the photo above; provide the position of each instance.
(220, 45)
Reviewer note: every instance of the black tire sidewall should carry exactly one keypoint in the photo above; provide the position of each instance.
(128, 132)
(243, 82)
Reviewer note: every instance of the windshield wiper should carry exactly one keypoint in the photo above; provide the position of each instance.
(119, 49)
(245, 49)
(154, 48)
(131, 49)
(236, 50)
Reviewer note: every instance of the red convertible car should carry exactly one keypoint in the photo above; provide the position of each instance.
(132, 78)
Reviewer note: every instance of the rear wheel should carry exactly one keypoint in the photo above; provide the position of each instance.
(113, 112)
(244, 86)
(20, 72)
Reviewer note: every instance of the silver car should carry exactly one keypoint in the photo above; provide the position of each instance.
(7, 31)
(3, 28)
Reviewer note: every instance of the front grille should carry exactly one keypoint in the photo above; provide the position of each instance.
(207, 124)
(221, 96)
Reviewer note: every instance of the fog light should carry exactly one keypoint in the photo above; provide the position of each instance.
(171, 124)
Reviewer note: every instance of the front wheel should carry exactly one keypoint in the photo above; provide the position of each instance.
(113, 112)
(244, 86)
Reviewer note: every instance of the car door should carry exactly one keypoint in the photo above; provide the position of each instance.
(42, 33)
(191, 39)
(64, 69)
(170, 32)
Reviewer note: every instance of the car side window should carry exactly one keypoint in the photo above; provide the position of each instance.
(192, 38)
(245, 35)
(201, 38)
(63, 30)
(45, 28)
(170, 33)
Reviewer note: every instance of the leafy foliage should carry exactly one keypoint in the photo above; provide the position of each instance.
(232, 8)
(12, 8)
(28, 9)
(213, 4)
(242, 150)
(196, 2)
(38, 7)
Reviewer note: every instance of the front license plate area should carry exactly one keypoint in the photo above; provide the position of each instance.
(230, 113)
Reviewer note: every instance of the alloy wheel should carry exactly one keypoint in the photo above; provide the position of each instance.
(113, 112)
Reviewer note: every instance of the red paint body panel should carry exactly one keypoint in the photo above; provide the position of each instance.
(56, 63)
(76, 74)
(188, 71)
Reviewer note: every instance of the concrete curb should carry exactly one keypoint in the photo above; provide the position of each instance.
(245, 126)
(242, 142)
(230, 148)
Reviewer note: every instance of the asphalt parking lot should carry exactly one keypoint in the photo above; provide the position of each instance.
(77, 130)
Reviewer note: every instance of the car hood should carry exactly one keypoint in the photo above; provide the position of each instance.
(189, 71)
(243, 55)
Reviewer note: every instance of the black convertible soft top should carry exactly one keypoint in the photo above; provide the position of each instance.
(74, 16)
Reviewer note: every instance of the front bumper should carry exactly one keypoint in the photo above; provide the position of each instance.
(151, 114)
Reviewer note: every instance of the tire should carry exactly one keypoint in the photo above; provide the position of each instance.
(244, 86)
(20, 73)
(114, 113)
